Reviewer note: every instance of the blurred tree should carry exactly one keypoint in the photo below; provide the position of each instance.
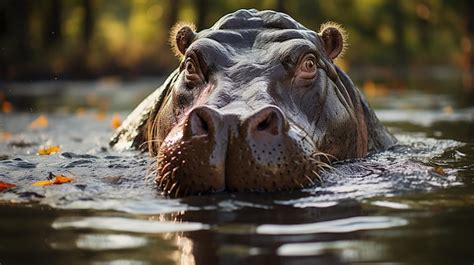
(3, 20)
(202, 8)
(398, 22)
(18, 27)
(52, 29)
(423, 13)
(88, 23)
(114, 36)
(280, 6)
(172, 13)
(467, 43)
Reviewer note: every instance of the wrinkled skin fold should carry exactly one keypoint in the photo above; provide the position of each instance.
(257, 104)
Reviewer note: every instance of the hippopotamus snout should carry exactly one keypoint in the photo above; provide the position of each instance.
(204, 121)
(212, 150)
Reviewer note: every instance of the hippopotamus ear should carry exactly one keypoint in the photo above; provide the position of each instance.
(182, 35)
(334, 38)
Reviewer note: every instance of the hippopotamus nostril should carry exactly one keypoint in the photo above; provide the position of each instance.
(201, 121)
(267, 120)
(267, 124)
(198, 125)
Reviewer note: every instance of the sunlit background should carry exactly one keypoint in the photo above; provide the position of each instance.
(83, 39)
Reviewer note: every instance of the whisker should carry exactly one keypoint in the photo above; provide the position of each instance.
(177, 191)
(148, 142)
(309, 179)
(325, 155)
(318, 177)
(172, 189)
(165, 167)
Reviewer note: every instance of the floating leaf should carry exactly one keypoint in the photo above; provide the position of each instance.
(116, 121)
(6, 185)
(55, 180)
(62, 179)
(7, 107)
(439, 170)
(40, 122)
(43, 183)
(49, 150)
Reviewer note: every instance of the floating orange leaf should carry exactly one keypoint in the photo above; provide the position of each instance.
(439, 170)
(7, 107)
(6, 185)
(5, 135)
(49, 150)
(40, 122)
(43, 183)
(116, 121)
(62, 179)
(55, 180)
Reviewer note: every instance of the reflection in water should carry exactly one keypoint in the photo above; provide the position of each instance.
(102, 242)
(121, 262)
(185, 254)
(392, 205)
(126, 225)
(337, 226)
(346, 251)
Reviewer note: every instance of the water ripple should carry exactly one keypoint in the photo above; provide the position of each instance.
(336, 226)
(127, 225)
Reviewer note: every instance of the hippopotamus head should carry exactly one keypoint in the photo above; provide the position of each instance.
(257, 104)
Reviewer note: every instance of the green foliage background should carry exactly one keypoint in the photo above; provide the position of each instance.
(91, 38)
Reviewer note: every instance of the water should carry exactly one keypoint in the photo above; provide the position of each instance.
(411, 204)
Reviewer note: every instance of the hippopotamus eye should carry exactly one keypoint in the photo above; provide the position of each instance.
(193, 74)
(190, 67)
(307, 67)
(308, 64)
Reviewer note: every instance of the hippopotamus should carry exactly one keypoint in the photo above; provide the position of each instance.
(256, 104)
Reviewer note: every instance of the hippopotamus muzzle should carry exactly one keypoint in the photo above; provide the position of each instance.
(257, 104)
(215, 151)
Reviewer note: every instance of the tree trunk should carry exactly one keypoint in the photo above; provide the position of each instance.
(52, 30)
(87, 23)
(17, 20)
(399, 28)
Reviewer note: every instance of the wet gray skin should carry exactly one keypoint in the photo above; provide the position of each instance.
(257, 104)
